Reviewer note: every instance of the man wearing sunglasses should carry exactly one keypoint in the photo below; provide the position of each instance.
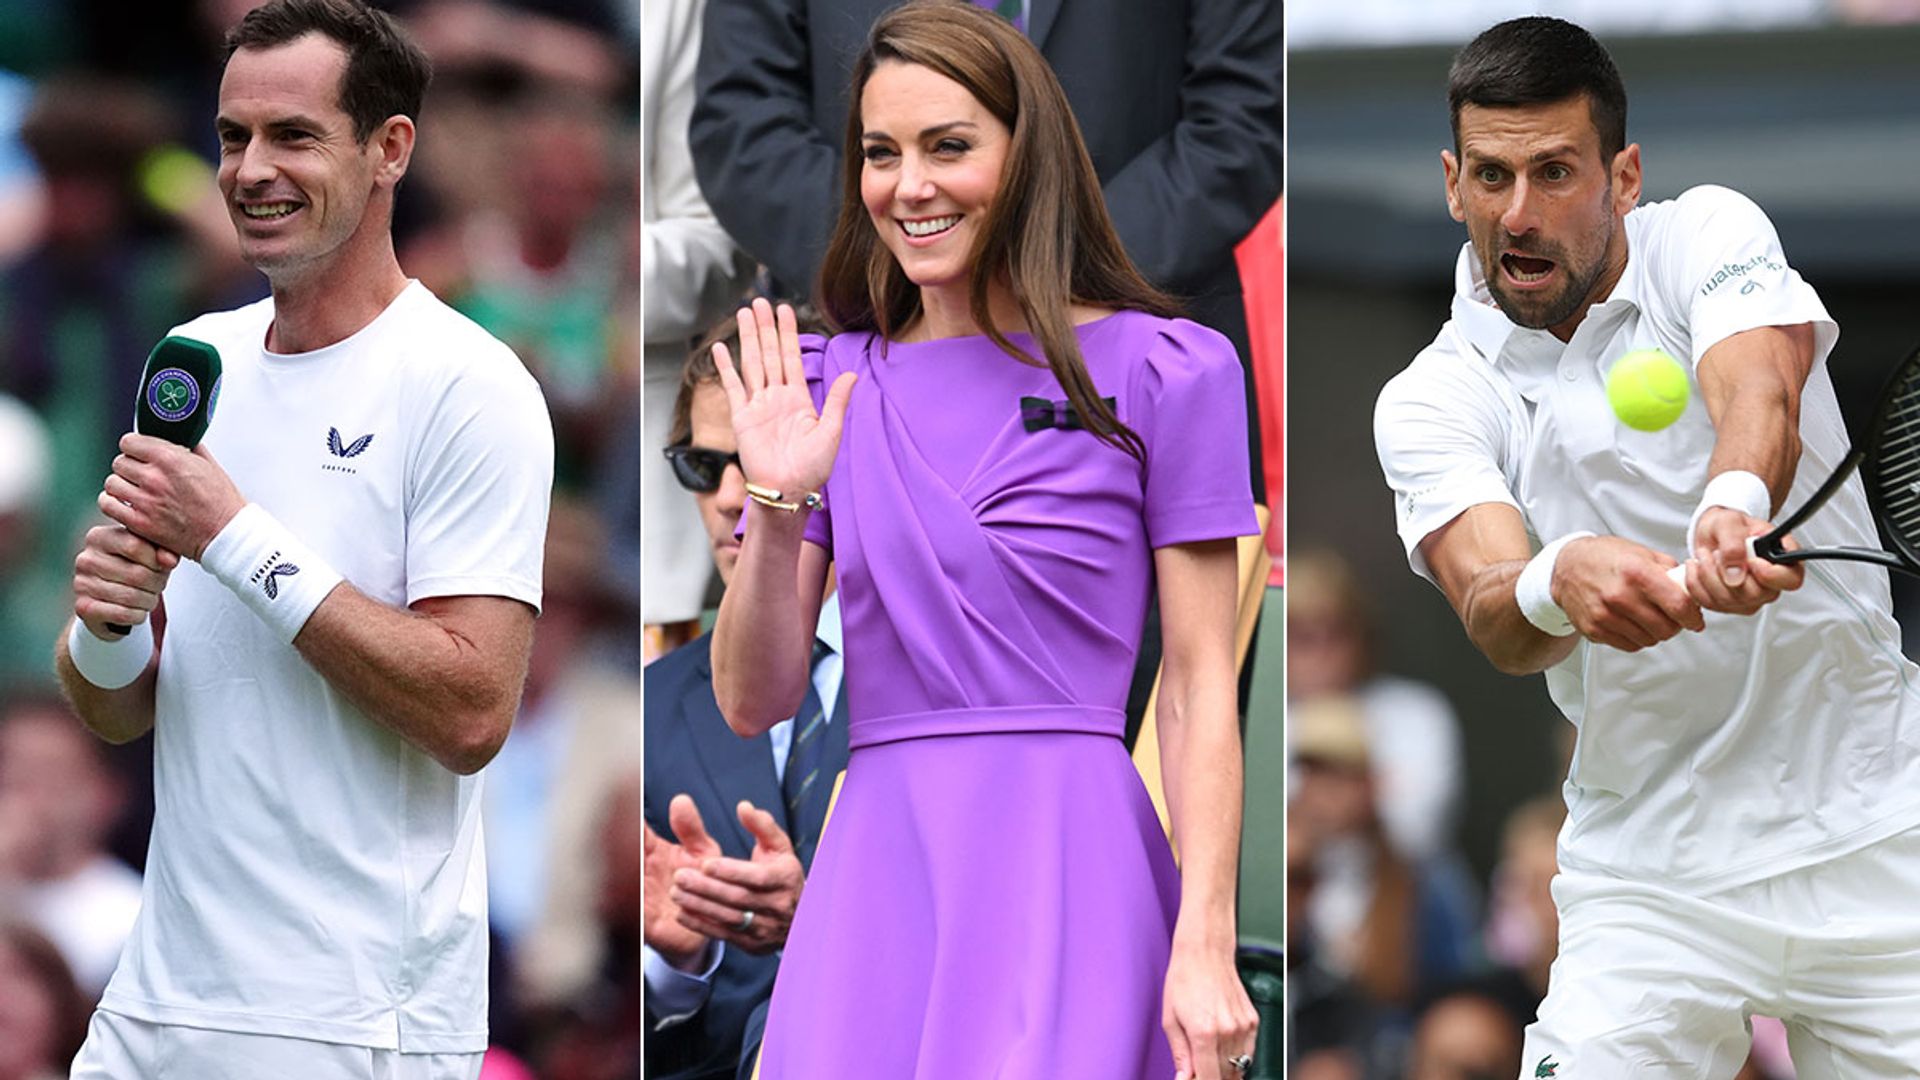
(746, 813)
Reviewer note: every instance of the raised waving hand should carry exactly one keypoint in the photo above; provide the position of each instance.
(784, 443)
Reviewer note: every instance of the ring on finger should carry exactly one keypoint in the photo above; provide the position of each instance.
(745, 923)
(1241, 1063)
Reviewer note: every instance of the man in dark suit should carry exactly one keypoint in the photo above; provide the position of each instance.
(731, 822)
(1179, 102)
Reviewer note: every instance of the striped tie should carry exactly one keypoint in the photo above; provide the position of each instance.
(805, 758)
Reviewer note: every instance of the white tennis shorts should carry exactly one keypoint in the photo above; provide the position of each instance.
(121, 1048)
(1654, 983)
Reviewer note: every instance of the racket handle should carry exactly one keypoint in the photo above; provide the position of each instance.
(1677, 573)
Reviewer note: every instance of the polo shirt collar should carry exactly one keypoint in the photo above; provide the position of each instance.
(1505, 345)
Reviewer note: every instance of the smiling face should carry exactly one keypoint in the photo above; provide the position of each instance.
(296, 182)
(933, 157)
(1543, 208)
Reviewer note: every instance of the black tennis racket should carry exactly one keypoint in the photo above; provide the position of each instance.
(1889, 463)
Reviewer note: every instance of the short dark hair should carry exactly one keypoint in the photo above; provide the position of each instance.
(1540, 60)
(386, 75)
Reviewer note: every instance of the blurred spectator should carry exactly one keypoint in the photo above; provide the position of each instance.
(1465, 1035)
(43, 1014)
(693, 274)
(58, 800)
(32, 588)
(531, 209)
(21, 201)
(1523, 926)
(1331, 1027)
(577, 730)
(1391, 925)
(602, 1039)
(1410, 728)
(106, 277)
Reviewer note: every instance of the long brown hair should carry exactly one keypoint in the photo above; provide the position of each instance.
(1047, 231)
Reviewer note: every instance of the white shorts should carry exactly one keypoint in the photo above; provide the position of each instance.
(1654, 983)
(121, 1048)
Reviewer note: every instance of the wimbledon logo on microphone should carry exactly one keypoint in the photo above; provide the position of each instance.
(172, 394)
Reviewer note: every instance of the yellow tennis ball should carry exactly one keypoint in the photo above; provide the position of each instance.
(1647, 389)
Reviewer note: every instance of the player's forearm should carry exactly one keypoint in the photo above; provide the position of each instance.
(1758, 434)
(117, 716)
(1751, 385)
(759, 666)
(1476, 559)
(450, 690)
(1497, 628)
(1202, 770)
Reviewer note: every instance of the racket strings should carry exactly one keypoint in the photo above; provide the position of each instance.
(1895, 459)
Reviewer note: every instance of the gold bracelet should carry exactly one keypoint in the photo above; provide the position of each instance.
(774, 500)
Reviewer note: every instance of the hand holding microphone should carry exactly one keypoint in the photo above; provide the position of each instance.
(153, 495)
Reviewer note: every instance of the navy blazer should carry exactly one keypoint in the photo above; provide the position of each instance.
(690, 749)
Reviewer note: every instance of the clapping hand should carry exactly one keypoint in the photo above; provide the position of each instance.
(663, 926)
(748, 903)
(784, 443)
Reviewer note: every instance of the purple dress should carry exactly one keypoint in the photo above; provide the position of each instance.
(994, 897)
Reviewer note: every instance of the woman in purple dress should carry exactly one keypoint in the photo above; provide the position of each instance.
(1008, 442)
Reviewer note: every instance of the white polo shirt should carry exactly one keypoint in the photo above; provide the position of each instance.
(1765, 743)
(311, 874)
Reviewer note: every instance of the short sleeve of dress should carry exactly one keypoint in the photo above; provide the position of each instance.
(813, 356)
(1191, 411)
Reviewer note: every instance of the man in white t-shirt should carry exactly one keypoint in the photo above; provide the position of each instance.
(351, 570)
(1743, 801)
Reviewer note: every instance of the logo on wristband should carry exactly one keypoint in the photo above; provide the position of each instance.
(269, 573)
(272, 585)
(172, 394)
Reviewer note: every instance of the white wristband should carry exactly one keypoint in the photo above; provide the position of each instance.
(110, 665)
(1735, 489)
(1534, 591)
(270, 570)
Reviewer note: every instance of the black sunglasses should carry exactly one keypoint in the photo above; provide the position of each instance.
(698, 469)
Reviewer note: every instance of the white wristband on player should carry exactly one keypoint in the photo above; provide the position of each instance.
(270, 570)
(110, 665)
(1534, 591)
(1735, 489)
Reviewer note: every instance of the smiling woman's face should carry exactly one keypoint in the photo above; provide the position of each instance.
(932, 159)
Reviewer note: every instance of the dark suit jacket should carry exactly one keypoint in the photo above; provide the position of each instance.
(690, 749)
(1179, 102)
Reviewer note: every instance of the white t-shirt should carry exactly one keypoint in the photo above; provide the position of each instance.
(1765, 743)
(311, 874)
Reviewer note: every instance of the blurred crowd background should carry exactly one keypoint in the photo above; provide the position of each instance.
(1425, 788)
(521, 210)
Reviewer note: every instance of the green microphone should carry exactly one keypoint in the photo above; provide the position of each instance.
(178, 390)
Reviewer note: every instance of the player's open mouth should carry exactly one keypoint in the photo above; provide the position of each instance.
(1525, 269)
(929, 228)
(272, 211)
